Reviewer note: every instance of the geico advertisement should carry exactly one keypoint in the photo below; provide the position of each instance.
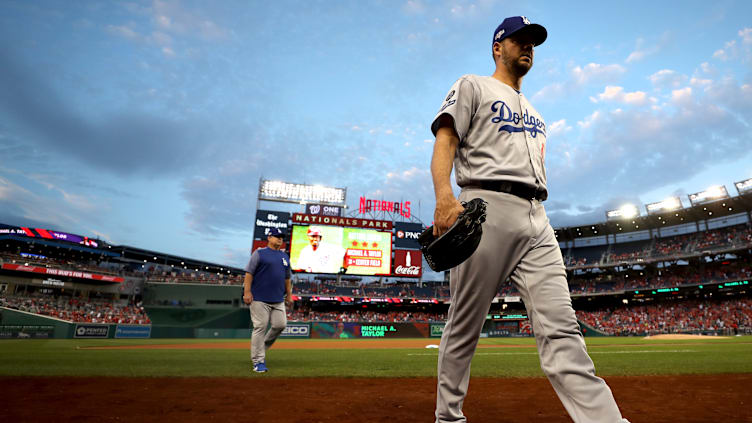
(296, 331)
(327, 249)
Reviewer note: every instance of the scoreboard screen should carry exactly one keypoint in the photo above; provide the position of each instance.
(328, 249)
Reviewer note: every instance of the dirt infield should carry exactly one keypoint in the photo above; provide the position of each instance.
(687, 399)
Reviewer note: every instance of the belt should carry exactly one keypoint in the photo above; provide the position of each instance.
(515, 188)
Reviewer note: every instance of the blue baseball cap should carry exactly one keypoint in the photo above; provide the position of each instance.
(275, 232)
(516, 23)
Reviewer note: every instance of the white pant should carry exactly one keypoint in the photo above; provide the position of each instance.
(519, 243)
(262, 314)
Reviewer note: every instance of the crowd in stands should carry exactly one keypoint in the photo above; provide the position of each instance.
(364, 316)
(691, 316)
(667, 248)
(672, 277)
(78, 310)
(169, 274)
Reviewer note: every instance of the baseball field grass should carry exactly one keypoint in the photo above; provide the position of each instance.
(501, 357)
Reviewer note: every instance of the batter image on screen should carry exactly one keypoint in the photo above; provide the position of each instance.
(321, 256)
(329, 249)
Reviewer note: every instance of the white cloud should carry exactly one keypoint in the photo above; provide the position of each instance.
(579, 76)
(558, 128)
(123, 31)
(414, 7)
(645, 48)
(589, 120)
(700, 82)
(681, 96)
(726, 52)
(616, 94)
(595, 72)
(746, 35)
(667, 78)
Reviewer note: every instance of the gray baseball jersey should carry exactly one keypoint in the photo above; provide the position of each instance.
(502, 137)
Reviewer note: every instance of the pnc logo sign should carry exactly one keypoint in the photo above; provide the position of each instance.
(408, 235)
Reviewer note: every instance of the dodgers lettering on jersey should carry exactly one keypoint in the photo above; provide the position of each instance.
(502, 137)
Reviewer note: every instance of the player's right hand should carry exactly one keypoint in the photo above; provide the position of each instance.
(248, 298)
(447, 210)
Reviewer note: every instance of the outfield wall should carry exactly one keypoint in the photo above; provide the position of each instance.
(16, 324)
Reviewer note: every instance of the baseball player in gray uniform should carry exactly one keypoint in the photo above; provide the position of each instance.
(496, 141)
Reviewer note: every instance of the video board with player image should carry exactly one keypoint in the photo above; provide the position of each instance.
(327, 249)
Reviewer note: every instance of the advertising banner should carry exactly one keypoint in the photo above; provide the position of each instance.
(323, 210)
(341, 330)
(266, 219)
(408, 263)
(61, 272)
(91, 331)
(437, 329)
(26, 331)
(406, 235)
(352, 222)
(327, 249)
(133, 331)
(47, 234)
(297, 330)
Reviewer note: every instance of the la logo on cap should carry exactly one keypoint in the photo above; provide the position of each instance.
(525, 20)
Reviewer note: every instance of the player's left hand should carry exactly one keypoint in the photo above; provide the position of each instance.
(289, 303)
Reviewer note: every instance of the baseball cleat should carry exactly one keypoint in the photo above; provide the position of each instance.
(260, 367)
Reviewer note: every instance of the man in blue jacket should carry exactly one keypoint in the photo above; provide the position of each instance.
(267, 288)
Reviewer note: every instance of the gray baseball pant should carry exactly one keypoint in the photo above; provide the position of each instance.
(262, 314)
(518, 242)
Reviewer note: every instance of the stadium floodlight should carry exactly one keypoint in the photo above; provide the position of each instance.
(300, 193)
(744, 187)
(667, 205)
(716, 192)
(626, 211)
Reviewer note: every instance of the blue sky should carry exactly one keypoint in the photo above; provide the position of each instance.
(150, 123)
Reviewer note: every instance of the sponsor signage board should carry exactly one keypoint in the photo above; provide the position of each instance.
(437, 329)
(408, 263)
(398, 207)
(297, 330)
(91, 331)
(266, 219)
(61, 272)
(323, 210)
(351, 222)
(47, 234)
(133, 331)
(26, 331)
(406, 234)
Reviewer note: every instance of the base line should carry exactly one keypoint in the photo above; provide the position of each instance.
(589, 352)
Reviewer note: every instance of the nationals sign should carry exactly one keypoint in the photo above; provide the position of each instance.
(408, 263)
(352, 222)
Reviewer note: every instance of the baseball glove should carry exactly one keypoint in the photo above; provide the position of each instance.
(459, 242)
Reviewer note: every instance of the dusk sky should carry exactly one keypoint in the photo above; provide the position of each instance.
(150, 123)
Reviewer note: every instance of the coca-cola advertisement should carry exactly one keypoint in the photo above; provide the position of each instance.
(408, 263)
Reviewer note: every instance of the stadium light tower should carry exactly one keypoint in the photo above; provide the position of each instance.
(716, 192)
(744, 187)
(627, 211)
(667, 205)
